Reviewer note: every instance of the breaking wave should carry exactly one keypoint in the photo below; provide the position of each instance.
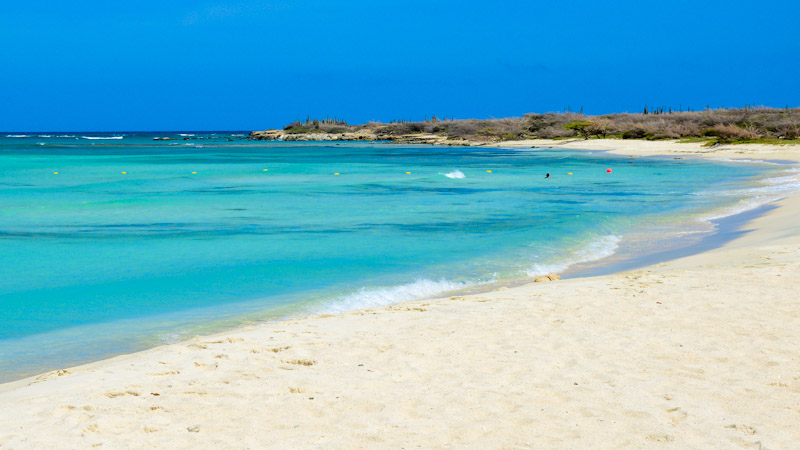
(454, 174)
(375, 297)
(597, 249)
(770, 190)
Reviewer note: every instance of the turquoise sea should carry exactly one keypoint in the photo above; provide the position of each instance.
(112, 243)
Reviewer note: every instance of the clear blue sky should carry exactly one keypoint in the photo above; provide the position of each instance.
(194, 65)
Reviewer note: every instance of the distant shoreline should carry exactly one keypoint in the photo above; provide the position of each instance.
(710, 128)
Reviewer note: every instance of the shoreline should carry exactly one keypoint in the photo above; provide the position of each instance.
(619, 257)
(665, 148)
(304, 371)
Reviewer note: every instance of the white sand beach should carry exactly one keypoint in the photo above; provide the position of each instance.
(699, 352)
(633, 147)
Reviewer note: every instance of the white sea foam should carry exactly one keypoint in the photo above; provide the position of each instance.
(750, 161)
(102, 137)
(384, 296)
(182, 134)
(17, 135)
(45, 135)
(65, 135)
(454, 174)
(770, 190)
(597, 249)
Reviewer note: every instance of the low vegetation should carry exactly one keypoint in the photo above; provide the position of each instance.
(749, 124)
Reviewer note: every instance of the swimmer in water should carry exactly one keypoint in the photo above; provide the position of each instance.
(547, 176)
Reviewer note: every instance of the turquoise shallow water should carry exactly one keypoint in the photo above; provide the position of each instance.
(202, 234)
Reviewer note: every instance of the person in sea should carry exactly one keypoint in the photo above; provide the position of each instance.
(547, 176)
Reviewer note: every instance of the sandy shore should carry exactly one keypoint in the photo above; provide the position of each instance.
(700, 352)
(631, 147)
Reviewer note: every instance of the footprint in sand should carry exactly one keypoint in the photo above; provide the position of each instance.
(161, 374)
(677, 415)
(229, 340)
(48, 375)
(659, 437)
(208, 366)
(195, 392)
(114, 394)
(746, 429)
(300, 362)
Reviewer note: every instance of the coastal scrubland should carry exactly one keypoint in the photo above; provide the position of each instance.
(710, 126)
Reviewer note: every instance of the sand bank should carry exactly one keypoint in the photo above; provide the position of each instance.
(699, 352)
(633, 147)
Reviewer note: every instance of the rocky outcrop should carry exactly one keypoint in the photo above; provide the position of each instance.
(360, 135)
(548, 277)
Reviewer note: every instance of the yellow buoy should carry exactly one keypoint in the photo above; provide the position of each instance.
(570, 173)
(265, 170)
(408, 173)
(55, 173)
(489, 171)
(337, 173)
(124, 173)
(193, 173)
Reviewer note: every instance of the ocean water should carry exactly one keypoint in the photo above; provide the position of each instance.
(112, 243)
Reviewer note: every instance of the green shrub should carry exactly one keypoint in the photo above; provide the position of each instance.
(636, 133)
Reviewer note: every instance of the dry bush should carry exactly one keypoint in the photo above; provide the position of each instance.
(792, 132)
(538, 122)
(492, 129)
(732, 132)
(634, 133)
(726, 124)
(598, 127)
(553, 132)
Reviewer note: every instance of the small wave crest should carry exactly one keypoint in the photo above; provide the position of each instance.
(102, 137)
(384, 296)
(745, 160)
(770, 190)
(17, 135)
(454, 174)
(597, 249)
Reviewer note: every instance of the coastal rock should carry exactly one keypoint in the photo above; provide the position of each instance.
(354, 136)
(545, 278)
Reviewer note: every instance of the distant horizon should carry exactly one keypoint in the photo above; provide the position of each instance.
(124, 131)
(3, 133)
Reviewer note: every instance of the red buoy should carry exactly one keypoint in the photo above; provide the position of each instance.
(608, 170)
